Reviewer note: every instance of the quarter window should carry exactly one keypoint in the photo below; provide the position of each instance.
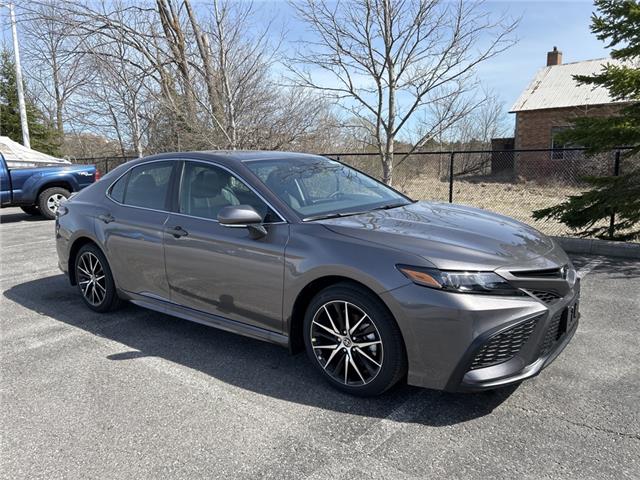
(117, 190)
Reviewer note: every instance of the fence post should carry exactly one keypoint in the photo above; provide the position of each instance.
(451, 177)
(616, 173)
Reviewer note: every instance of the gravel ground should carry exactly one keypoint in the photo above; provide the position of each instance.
(136, 394)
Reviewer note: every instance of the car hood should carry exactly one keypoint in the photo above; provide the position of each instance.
(450, 236)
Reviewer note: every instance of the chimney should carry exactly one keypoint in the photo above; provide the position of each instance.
(554, 57)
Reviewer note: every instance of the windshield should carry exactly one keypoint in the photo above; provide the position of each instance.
(320, 188)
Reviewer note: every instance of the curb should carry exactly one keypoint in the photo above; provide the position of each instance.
(594, 246)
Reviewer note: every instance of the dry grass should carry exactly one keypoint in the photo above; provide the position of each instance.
(517, 200)
(425, 177)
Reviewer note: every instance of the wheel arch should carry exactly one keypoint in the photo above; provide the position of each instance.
(53, 184)
(77, 244)
(304, 297)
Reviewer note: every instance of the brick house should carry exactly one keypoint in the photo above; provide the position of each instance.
(549, 104)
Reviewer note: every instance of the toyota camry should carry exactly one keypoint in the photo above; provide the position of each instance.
(309, 253)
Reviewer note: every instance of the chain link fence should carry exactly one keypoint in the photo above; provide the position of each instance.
(511, 182)
(103, 164)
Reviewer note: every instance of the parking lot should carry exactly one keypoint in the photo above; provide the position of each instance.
(137, 394)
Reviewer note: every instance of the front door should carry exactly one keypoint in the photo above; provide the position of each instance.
(222, 270)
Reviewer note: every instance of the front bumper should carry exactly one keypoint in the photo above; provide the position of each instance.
(445, 334)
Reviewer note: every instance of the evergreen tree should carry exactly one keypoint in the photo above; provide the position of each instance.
(42, 135)
(616, 22)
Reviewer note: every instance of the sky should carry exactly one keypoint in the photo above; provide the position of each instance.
(543, 25)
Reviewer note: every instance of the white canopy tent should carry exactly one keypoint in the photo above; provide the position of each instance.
(19, 156)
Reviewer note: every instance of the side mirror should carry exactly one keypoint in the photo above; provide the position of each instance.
(242, 216)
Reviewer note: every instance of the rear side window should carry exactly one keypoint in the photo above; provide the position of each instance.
(144, 186)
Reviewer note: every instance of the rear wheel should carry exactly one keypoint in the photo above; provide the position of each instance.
(353, 340)
(94, 279)
(49, 201)
(31, 210)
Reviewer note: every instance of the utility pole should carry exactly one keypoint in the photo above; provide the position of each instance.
(21, 103)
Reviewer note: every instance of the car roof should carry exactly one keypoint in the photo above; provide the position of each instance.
(230, 157)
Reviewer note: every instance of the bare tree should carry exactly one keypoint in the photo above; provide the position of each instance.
(56, 63)
(176, 39)
(208, 71)
(485, 122)
(474, 133)
(388, 59)
(168, 75)
(118, 80)
(244, 54)
(121, 88)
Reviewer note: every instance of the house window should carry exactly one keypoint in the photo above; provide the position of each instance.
(556, 147)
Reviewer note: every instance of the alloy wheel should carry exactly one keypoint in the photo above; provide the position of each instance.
(346, 343)
(53, 202)
(91, 278)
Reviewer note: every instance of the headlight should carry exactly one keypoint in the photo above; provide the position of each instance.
(487, 283)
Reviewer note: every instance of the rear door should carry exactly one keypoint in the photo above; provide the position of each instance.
(132, 225)
(222, 270)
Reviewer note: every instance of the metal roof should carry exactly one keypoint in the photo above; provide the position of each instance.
(554, 87)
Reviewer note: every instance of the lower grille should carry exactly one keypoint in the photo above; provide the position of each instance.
(553, 333)
(504, 346)
(545, 296)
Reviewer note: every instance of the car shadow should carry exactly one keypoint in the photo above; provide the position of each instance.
(21, 217)
(243, 362)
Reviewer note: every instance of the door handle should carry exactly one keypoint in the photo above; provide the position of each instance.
(178, 232)
(106, 218)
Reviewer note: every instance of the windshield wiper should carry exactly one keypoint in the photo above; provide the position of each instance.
(325, 216)
(390, 206)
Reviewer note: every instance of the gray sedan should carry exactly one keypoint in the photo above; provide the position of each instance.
(306, 252)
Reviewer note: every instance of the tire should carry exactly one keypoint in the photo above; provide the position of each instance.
(371, 355)
(49, 199)
(31, 210)
(95, 280)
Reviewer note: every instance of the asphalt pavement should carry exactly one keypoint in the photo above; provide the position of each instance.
(137, 394)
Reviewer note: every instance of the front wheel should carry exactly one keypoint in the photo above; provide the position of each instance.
(49, 201)
(95, 280)
(354, 341)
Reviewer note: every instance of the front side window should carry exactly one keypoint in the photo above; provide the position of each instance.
(321, 187)
(207, 189)
(144, 186)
